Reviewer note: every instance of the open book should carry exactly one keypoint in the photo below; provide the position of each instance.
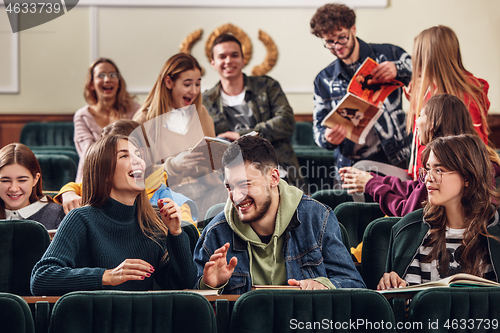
(213, 149)
(457, 280)
(361, 106)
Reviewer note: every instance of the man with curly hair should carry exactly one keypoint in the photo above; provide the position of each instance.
(387, 142)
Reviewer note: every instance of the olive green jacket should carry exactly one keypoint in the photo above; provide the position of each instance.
(274, 116)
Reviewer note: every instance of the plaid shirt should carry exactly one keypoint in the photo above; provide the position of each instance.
(330, 86)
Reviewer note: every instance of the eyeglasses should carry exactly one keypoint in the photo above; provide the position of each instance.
(330, 44)
(436, 174)
(111, 76)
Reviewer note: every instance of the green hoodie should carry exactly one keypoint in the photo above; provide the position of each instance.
(267, 264)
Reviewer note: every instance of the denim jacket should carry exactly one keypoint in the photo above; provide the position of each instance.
(330, 86)
(313, 248)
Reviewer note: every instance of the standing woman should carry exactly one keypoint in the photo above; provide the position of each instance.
(438, 69)
(108, 100)
(457, 231)
(116, 240)
(178, 88)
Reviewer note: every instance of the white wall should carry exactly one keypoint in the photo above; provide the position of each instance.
(54, 57)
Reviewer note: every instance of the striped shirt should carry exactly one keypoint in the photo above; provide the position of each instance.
(420, 272)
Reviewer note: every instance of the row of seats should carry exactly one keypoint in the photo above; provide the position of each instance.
(17, 260)
(260, 311)
(23, 242)
(52, 143)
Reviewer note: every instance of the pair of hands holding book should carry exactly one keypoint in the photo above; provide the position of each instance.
(384, 72)
(217, 272)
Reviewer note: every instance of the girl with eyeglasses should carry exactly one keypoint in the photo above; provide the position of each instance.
(443, 115)
(107, 100)
(457, 231)
(116, 240)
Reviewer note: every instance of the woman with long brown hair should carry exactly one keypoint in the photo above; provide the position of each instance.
(443, 115)
(116, 240)
(21, 195)
(457, 230)
(107, 100)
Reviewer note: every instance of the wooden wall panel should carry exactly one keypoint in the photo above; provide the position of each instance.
(11, 125)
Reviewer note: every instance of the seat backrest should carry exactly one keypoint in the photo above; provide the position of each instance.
(57, 170)
(303, 134)
(211, 212)
(276, 311)
(375, 247)
(476, 308)
(355, 216)
(23, 243)
(331, 197)
(48, 134)
(345, 237)
(192, 232)
(131, 312)
(58, 150)
(15, 315)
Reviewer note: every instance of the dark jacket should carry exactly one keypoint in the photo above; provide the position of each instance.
(330, 86)
(408, 234)
(274, 116)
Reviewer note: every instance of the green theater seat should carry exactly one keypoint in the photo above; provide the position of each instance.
(57, 170)
(132, 312)
(57, 150)
(456, 309)
(355, 216)
(39, 134)
(277, 311)
(376, 240)
(15, 315)
(23, 242)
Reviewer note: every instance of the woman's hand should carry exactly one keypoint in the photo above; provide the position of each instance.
(354, 179)
(391, 280)
(70, 200)
(129, 269)
(171, 215)
(187, 160)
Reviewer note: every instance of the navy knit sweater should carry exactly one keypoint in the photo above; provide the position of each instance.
(91, 240)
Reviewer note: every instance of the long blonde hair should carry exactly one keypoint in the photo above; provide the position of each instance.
(438, 69)
(123, 100)
(159, 100)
